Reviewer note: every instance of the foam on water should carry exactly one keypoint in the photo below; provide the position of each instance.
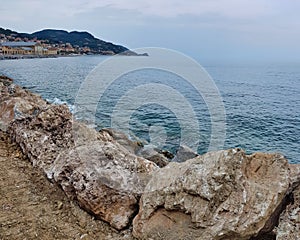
(58, 101)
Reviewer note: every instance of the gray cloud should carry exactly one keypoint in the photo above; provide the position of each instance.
(213, 27)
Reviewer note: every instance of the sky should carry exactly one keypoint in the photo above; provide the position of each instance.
(207, 30)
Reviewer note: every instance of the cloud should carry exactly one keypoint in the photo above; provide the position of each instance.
(166, 8)
(183, 24)
(174, 8)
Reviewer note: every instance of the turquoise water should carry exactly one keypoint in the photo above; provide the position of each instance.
(262, 101)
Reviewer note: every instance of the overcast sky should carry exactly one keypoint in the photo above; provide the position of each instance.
(204, 29)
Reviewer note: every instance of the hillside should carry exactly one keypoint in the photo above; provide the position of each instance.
(75, 38)
(81, 39)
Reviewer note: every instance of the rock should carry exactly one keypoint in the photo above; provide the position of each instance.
(105, 179)
(219, 195)
(152, 155)
(136, 147)
(92, 168)
(44, 135)
(184, 153)
(289, 221)
(17, 103)
(122, 139)
(6, 81)
(165, 153)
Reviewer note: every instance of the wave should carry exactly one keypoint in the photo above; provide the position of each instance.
(58, 101)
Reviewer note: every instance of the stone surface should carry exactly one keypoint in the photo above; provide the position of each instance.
(289, 222)
(16, 103)
(184, 153)
(220, 195)
(122, 139)
(136, 147)
(105, 179)
(43, 136)
(152, 155)
(33, 208)
(92, 168)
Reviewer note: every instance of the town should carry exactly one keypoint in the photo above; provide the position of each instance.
(12, 47)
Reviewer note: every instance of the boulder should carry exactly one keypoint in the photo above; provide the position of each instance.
(5, 81)
(184, 153)
(44, 135)
(149, 152)
(289, 221)
(137, 147)
(122, 139)
(17, 103)
(219, 195)
(105, 179)
(92, 168)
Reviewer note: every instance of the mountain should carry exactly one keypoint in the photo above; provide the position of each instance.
(8, 32)
(75, 38)
(81, 39)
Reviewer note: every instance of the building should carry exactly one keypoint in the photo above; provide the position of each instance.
(21, 48)
(52, 51)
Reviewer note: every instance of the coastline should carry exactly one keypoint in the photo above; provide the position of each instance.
(231, 185)
(16, 57)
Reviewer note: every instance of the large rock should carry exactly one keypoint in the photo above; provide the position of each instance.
(184, 153)
(122, 139)
(137, 147)
(150, 152)
(289, 222)
(105, 179)
(44, 135)
(92, 168)
(220, 195)
(16, 103)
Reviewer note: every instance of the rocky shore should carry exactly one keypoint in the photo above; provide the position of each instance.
(140, 192)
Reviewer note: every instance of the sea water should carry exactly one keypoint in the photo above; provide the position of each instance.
(262, 101)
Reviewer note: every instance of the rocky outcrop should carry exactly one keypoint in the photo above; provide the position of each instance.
(289, 222)
(137, 147)
(16, 103)
(216, 196)
(122, 139)
(184, 153)
(220, 195)
(44, 135)
(104, 178)
(150, 153)
(92, 168)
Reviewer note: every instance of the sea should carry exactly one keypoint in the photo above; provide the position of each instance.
(260, 102)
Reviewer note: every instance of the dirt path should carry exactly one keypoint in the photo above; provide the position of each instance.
(33, 208)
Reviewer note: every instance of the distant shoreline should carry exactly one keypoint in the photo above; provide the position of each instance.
(16, 57)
